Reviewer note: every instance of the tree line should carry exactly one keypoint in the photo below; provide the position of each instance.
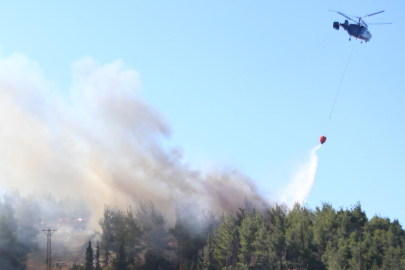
(272, 238)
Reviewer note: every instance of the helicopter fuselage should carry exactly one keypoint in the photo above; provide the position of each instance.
(358, 31)
(354, 30)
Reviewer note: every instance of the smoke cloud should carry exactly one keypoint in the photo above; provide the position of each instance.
(301, 185)
(101, 142)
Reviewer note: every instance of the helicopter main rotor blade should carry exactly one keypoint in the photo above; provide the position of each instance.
(363, 22)
(372, 14)
(380, 23)
(343, 15)
(346, 16)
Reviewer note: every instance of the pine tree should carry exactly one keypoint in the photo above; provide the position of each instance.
(299, 238)
(132, 239)
(154, 236)
(225, 238)
(247, 232)
(190, 233)
(108, 237)
(261, 244)
(209, 263)
(89, 257)
(121, 262)
(325, 238)
(98, 265)
(276, 237)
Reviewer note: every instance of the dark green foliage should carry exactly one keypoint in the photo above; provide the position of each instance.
(108, 238)
(120, 228)
(121, 260)
(209, 261)
(262, 249)
(98, 264)
(132, 238)
(247, 236)
(155, 237)
(89, 257)
(275, 238)
(303, 239)
(14, 250)
(225, 236)
(299, 238)
(190, 232)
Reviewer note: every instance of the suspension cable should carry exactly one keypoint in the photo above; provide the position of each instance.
(341, 80)
(340, 85)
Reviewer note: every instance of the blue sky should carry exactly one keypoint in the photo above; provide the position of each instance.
(247, 84)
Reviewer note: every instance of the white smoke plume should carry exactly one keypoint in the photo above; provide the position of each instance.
(99, 141)
(301, 185)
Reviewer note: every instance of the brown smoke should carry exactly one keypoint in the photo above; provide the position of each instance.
(99, 141)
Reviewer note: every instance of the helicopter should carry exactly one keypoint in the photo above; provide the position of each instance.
(358, 30)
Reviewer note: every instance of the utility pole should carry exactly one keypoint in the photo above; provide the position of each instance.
(48, 234)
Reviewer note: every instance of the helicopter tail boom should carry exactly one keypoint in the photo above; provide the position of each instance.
(345, 25)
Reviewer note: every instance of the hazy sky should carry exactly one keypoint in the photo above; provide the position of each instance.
(246, 84)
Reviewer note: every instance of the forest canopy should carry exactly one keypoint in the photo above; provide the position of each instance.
(272, 238)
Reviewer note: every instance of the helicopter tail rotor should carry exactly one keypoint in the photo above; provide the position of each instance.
(336, 25)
